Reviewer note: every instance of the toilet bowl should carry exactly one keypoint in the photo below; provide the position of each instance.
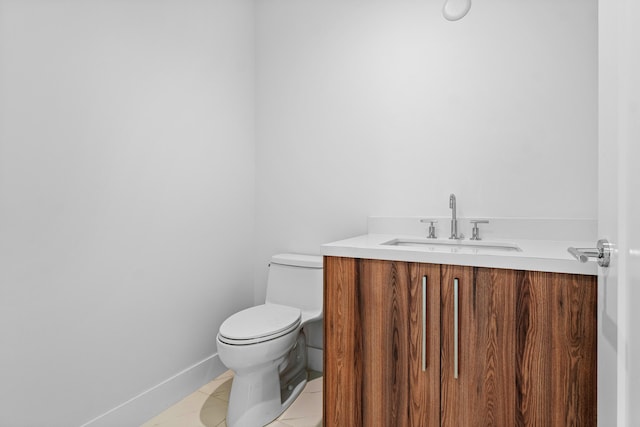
(265, 345)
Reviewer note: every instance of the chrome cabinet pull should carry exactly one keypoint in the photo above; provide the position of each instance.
(455, 328)
(424, 323)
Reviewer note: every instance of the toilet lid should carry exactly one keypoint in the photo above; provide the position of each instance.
(260, 323)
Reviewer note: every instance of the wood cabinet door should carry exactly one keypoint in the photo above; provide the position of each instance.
(526, 348)
(556, 350)
(384, 295)
(481, 389)
(375, 341)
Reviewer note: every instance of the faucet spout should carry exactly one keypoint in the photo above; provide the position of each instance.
(454, 218)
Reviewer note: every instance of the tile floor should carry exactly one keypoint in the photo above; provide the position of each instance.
(207, 407)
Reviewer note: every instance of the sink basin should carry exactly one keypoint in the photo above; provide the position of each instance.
(468, 246)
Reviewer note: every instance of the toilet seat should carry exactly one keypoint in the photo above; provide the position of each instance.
(260, 323)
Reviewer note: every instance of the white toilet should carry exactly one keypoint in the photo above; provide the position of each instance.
(265, 346)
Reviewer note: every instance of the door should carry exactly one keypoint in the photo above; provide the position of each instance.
(619, 213)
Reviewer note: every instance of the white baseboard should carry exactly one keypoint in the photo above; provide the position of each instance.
(149, 403)
(314, 358)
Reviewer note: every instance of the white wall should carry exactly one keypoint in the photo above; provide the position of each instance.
(126, 197)
(384, 108)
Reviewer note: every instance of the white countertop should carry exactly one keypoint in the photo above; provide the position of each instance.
(536, 255)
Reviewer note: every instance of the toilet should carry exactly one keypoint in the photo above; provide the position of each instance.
(265, 345)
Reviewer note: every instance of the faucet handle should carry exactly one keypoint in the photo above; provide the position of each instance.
(475, 233)
(432, 227)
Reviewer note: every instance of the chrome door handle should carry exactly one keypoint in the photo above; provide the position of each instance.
(455, 328)
(602, 253)
(424, 323)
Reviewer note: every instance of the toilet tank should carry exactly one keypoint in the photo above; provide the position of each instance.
(296, 280)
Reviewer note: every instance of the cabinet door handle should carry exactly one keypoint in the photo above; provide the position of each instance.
(424, 323)
(455, 328)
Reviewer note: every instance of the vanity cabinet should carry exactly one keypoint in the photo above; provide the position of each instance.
(522, 351)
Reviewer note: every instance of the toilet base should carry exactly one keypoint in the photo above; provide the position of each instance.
(260, 396)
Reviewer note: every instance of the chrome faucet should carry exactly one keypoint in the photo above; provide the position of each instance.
(454, 218)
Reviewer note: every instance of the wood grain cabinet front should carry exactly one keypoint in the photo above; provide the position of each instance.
(411, 344)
